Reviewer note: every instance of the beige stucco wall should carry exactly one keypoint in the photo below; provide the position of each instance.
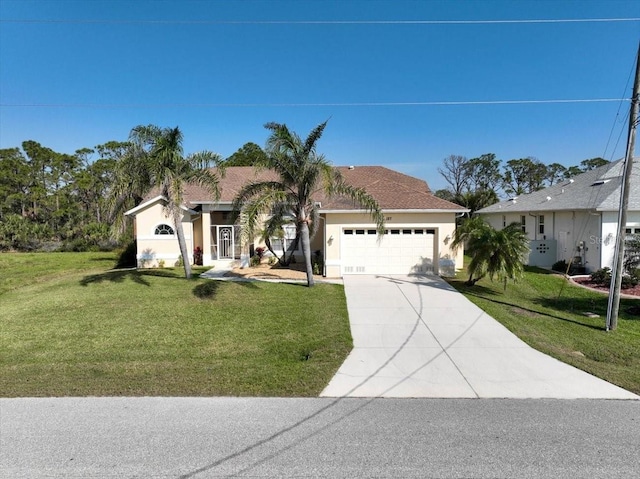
(151, 247)
(443, 223)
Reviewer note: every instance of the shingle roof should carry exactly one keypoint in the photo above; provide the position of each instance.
(391, 189)
(598, 190)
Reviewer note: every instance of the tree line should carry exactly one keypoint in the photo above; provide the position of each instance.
(478, 182)
(60, 201)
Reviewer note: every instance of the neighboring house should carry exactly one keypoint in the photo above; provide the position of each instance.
(419, 226)
(574, 220)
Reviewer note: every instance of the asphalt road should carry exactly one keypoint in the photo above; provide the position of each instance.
(342, 438)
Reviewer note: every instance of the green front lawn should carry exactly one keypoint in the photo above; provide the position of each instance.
(72, 327)
(547, 312)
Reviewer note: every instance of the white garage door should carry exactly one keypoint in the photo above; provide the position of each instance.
(399, 251)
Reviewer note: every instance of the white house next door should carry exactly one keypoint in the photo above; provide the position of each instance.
(399, 251)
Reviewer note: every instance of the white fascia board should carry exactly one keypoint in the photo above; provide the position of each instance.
(144, 205)
(188, 210)
(615, 209)
(219, 203)
(461, 210)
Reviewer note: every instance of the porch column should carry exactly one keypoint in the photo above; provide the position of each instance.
(207, 258)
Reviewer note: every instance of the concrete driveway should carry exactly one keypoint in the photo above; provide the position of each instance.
(416, 336)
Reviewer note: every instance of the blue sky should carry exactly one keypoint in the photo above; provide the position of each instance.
(75, 74)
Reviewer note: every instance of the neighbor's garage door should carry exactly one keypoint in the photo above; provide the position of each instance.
(400, 251)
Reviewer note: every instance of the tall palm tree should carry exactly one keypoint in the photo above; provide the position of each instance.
(302, 174)
(155, 160)
(494, 253)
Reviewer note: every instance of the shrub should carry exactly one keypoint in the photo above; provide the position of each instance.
(127, 258)
(631, 280)
(632, 253)
(602, 276)
(197, 256)
(317, 262)
(22, 234)
(560, 266)
(255, 260)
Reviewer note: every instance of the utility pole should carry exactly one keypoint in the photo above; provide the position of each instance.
(616, 279)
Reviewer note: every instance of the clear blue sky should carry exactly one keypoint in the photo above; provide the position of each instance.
(75, 74)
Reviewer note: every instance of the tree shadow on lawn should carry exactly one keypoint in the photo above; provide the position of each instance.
(591, 305)
(120, 275)
(475, 290)
(209, 288)
(549, 303)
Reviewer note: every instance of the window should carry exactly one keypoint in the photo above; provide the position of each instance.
(289, 236)
(418, 232)
(523, 223)
(431, 232)
(372, 232)
(348, 232)
(359, 232)
(395, 232)
(164, 230)
(406, 232)
(541, 224)
(504, 221)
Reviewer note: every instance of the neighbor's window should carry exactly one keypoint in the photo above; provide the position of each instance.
(504, 221)
(523, 223)
(541, 224)
(164, 230)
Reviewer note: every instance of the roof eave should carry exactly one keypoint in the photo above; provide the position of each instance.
(400, 210)
(146, 204)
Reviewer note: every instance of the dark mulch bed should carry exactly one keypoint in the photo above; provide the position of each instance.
(635, 291)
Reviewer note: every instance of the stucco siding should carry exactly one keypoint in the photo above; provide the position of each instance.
(443, 223)
(153, 248)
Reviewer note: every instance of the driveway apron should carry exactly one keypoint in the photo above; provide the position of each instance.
(416, 336)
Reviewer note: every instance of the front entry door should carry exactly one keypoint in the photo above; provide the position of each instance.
(225, 242)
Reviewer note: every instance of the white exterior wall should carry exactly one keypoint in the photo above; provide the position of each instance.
(153, 248)
(568, 228)
(609, 234)
(443, 223)
(577, 233)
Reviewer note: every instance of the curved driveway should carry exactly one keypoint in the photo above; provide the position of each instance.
(416, 336)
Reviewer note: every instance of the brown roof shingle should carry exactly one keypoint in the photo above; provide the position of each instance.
(392, 190)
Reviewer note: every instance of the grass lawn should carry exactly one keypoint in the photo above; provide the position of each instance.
(547, 312)
(71, 327)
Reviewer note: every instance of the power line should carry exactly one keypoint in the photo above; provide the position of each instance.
(315, 22)
(310, 104)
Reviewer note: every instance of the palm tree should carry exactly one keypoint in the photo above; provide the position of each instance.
(302, 174)
(496, 253)
(155, 160)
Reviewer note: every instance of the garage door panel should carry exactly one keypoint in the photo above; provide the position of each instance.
(400, 251)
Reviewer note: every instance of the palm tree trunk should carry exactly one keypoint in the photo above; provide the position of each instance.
(177, 221)
(306, 252)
